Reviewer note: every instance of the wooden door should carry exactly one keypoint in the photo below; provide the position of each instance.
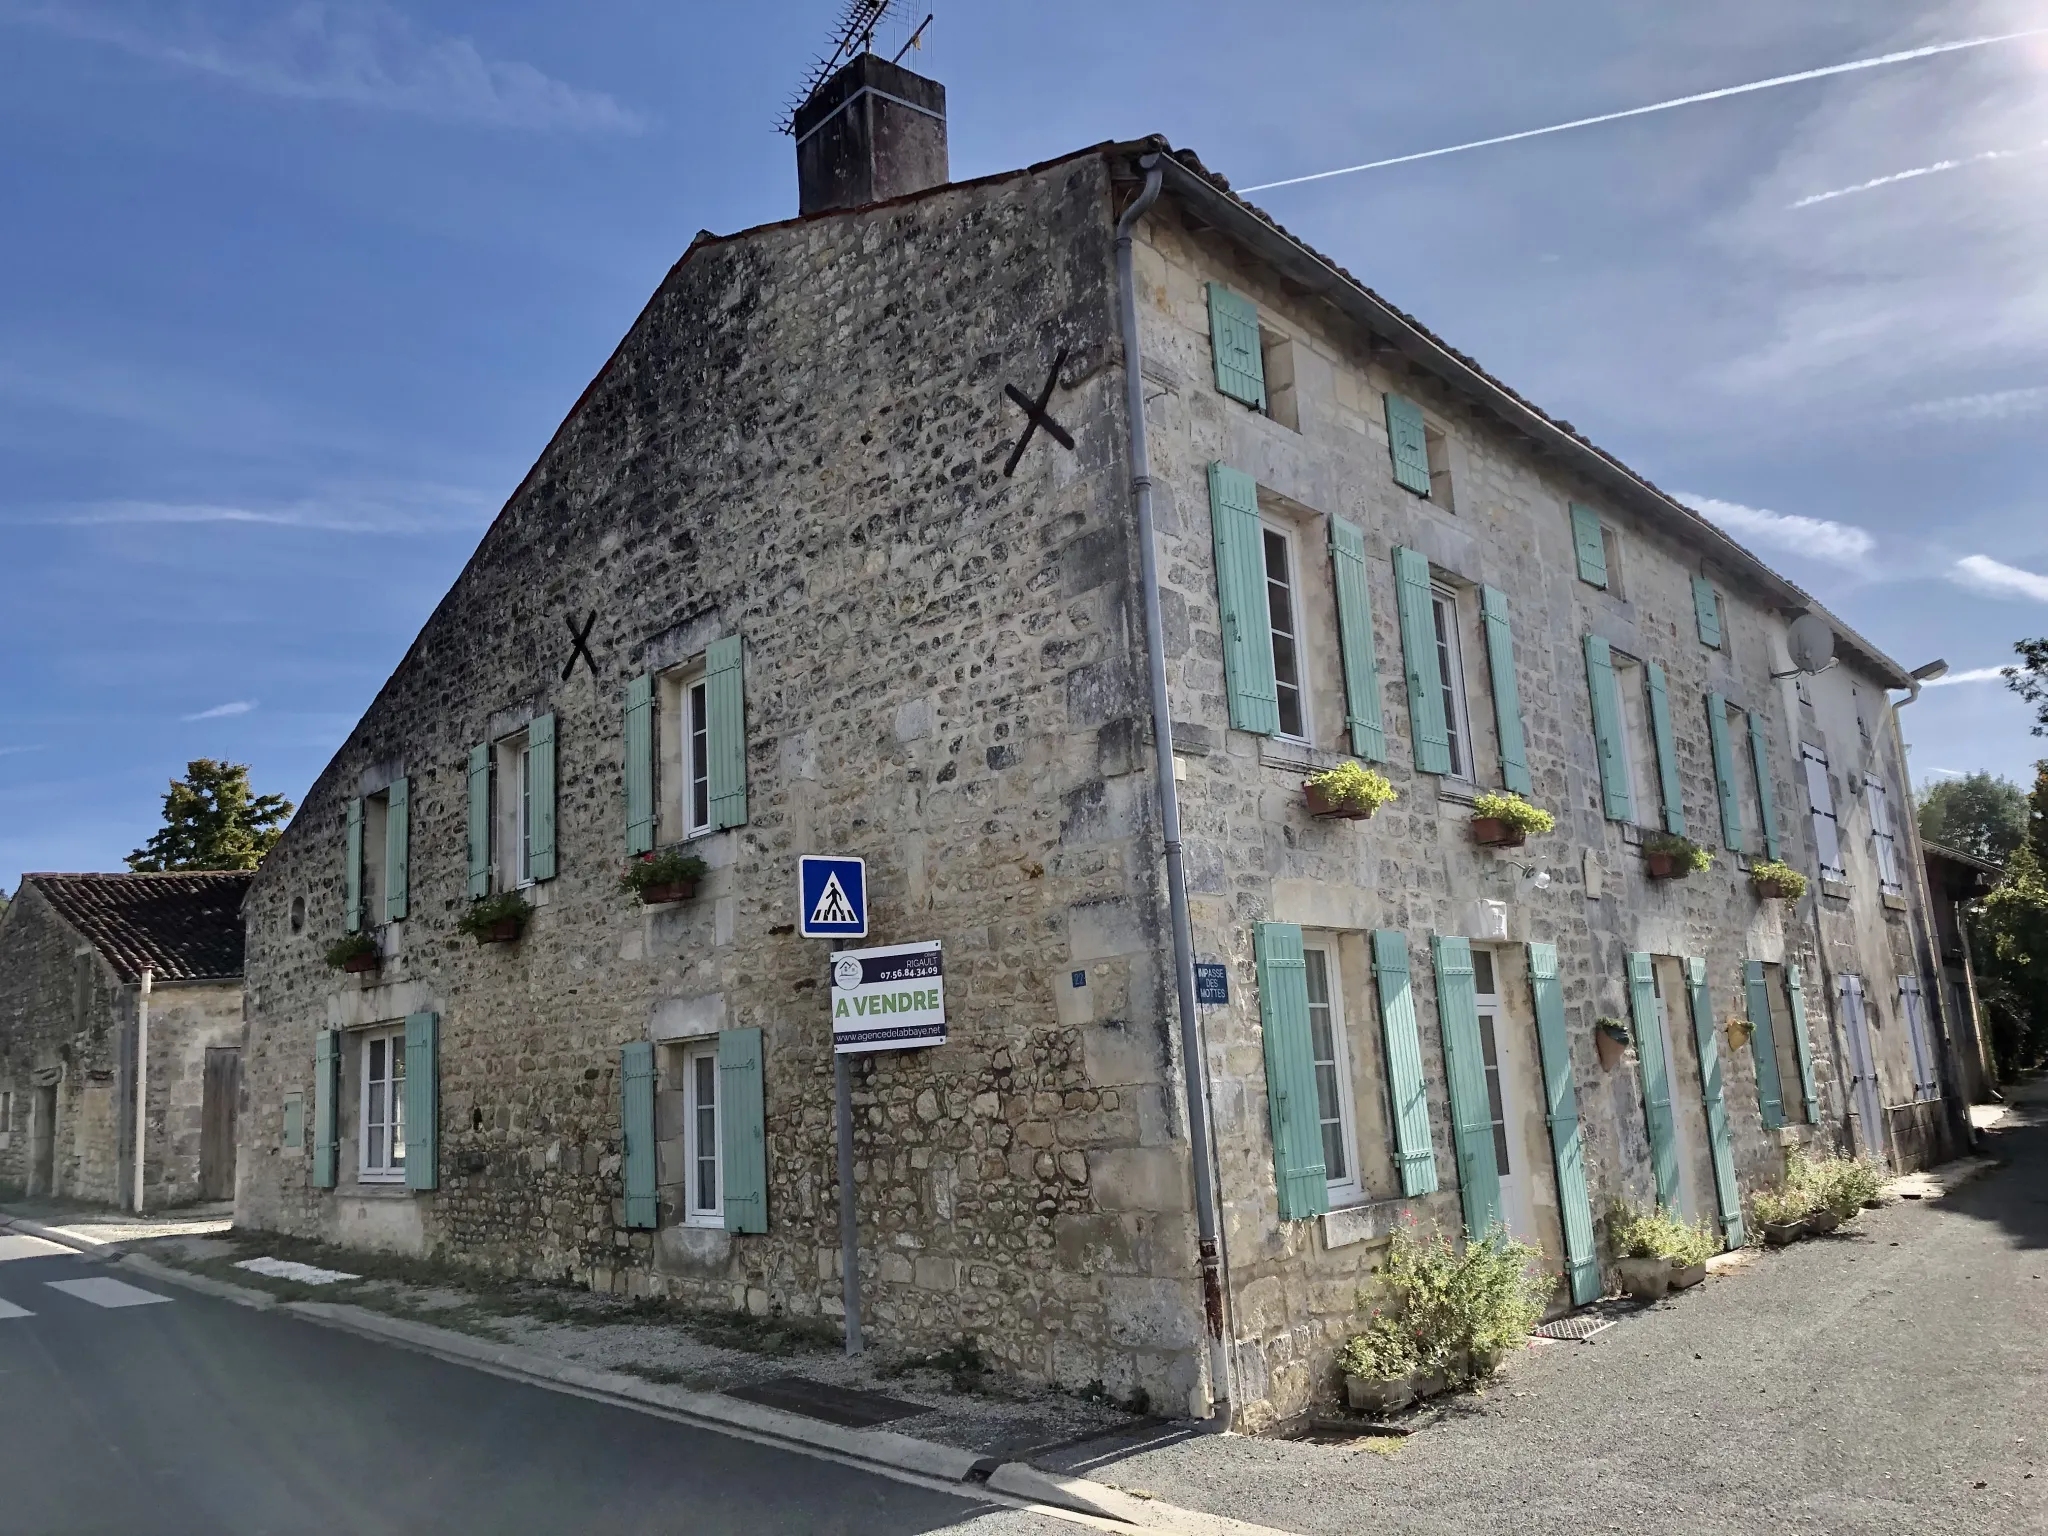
(42, 1140)
(222, 1091)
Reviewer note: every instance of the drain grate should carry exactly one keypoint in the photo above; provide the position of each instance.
(844, 1406)
(1580, 1326)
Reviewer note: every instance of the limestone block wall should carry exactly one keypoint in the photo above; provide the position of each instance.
(185, 1020)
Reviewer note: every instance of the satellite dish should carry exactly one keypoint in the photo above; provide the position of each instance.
(1810, 643)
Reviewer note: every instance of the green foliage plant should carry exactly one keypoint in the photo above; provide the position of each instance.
(348, 947)
(1778, 1204)
(1790, 883)
(1837, 1184)
(2029, 679)
(670, 866)
(1385, 1351)
(212, 820)
(1454, 1306)
(1514, 812)
(1354, 787)
(1659, 1234)
(487, 912)
(1978, 814)
(2009, 946)
(1688, 853)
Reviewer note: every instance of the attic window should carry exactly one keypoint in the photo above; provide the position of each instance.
(298, 914)
(1276, 353)
(1437, 443)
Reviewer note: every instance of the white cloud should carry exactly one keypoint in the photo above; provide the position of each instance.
(222, 711)
(13, 751)
(1996, 405)
(422, 507)
(1816, 538)
(1998, 578)
(361, 52)
(1913, 175)
(1974, 675)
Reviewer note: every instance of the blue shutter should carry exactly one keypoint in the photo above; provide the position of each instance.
(1355, 639)
(1656, 1072)
(326, 1097)
(1408, 1097)
(743, 1130)
(1616, 799)
(1425, 673)
(1722, 1146)
(352, 877)
(1763, 1045)
(1507, 694)
(479, 821)
(1574, 1201)
(397, 850)
(1234, 339)
(1802, 1044)
(1409, 442)
(725, 707)
(1291, 1102)
(540, 745)
(422, 1101)
(1457, 1016)
(1667, 750)
(1724, 773)
(1706, 608)
(639, 765)
(1760, 758)
(636, 1132)
(1241, 600)
(1587, 544)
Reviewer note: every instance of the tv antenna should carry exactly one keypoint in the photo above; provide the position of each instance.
(854, 35)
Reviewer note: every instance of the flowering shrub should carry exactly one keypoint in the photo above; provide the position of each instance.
(350, 946)
(1354, 787)
(671, 866)
(1515, 812)
(489, 911)
(1658, 1234)
(1689, 854)
(1443, 1308)
(1790, 883)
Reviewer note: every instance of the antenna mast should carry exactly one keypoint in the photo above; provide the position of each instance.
(854, 35)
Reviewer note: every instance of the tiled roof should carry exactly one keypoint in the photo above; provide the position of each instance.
(183, 927)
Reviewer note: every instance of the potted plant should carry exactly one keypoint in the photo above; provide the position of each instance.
(1687, 1246)
(670, 875)
(1775, 880)
(1508, 821)
(1633, 1237)
(1782, 1214)
(1349, 790)
(1379, 1367)
(1671, 857)
(1611, 1039)
(1739, 1028)
(498, 919)
(354, 953)
(1838, 1188)
(1454, 1311)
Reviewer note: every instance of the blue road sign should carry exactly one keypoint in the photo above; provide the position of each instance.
(832, 898)
(1212, 983)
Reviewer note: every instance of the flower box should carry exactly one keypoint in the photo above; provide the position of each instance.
(1370, 1394)
(1780, 1233)
(1685, 1276)
(1492, 832)
(1770, 890)
(658, 895)
(356, 965)
(1666, 866)
(1821, 1220)
(1322, 803)
(506, 930)
(1645, 1279)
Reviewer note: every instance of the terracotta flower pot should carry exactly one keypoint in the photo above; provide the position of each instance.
(356, 965)
(1685, 1276)
(655, 895)
(1370, 1394)
(1610, 1049)
(1645, 1279)
(505, 930)
(1666, 866)
(1492, 832)
(1770, 890)
(1321, 804)
(1780, 1233)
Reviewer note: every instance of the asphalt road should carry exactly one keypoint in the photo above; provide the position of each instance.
(148, 1408)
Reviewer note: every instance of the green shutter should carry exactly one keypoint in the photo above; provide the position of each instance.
(352, 879)
(1457, 1016)
(1667, 750)
(639, 748)
(1617, 800)
(1291, 1101)
(725, 707)
(1656, 1072)
(1241, 600)
(1763, 1045)
(1802, 1044)
(1507, 693)
(1409, 442)
(1760, 758)
(326, 1096)
(1354, 635)
(1407, 1095)
(294, 1137)
(540, 745)
(636, 1132)
(397, 850)
(1721, 1145)
(1587, 544)
(1574, 1202)
(1425, 673)
(743, 1130)
(1724, 773)
(1234, 339)
(1706, 608)
(422, 1101)
(479, 821)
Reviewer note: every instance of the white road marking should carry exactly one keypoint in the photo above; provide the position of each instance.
(102, 1292)
(9, 1309)
(17, 1245)
(291, 1269)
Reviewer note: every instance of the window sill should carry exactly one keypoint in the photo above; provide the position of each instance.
(1839, 889)
(1297, 756)
(703, 1222)
(380, 1184)
(1458, 791)
(1365, 1222)
(1894, 901)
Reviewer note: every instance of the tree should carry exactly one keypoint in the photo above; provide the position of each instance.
(2009, 946)
(2029, 679)
(213, 821)
(1980, 814)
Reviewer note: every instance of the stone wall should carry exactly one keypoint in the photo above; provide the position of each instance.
(186, 1019)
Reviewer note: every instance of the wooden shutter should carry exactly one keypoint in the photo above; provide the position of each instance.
(1354, 635)
(1409, 442)
(1760, 759)
(326, 1098)
(352, 878)
(1234, 340)
(725, 707)
(1802, 1044)
(1656, 1073)
(1724, 773)
(1561, 1099)
(1588, 545)
(636, 1132)
(479, 821)
(1241, 600)
(397, 850)
(1706, 1039)
(1425, 673)
(422, 1101)
(1291, 1101)
(639, 765)
(1616, 798)
(1408, 1096)
(1457, 1016)
(743, 1130)
(540, 744)
(1706, 609)
(1507, 693)
(1667, 750)
(293, 1138)
(1763, 1045)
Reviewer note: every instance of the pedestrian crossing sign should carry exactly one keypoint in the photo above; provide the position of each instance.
(832, 898)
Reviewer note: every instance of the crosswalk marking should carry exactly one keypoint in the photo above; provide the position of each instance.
(9, 1309)
(104, 1292)
(19, 1245)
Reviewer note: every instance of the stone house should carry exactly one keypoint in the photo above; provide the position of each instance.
(89, 965)
(1955, 880)
(858, 545)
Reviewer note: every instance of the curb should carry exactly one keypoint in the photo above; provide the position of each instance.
(26, 1228)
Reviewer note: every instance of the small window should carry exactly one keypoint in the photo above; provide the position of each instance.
(1784, 1045)
(376, 876)
(298, 914)
(1277, 353)
(1882, 834)
(1283, 605)
(382, 1143)
(1639, 743)
(1748, 802)
(1610, 547)
(6, 1111)
(1926, 1077)
(1450, 658)
(1333, 1074)
(1488, 1000)
(1437, 445)
(514, 808)
(703, 1170)
(1820, 798)
(685, 772)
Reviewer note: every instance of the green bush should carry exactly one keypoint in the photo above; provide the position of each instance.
(1781, 1203)
(671, 866)
(348, 947)
(1838, 1184)
(1384, 1352)
(489, 911)
(1780, 874)
(1513, 811)
(1354, 787)
(1659, 1234)
(1450, 1306)
(1683, 849)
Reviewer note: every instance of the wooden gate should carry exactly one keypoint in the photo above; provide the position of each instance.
(223, 1090)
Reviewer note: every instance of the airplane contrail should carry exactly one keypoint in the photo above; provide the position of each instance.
(1661, 106)
(1918, 170)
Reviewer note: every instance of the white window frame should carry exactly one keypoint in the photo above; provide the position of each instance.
(1349, 1187)
(1446, 630)
(512, 812)
(683, 700)
(1883, 835)
(698, 1055)
(1492, 1016)
(369, 1169)
(1820, 801)
(1291, 587)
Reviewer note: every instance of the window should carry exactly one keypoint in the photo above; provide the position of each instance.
(1784, 1045)
(1333, 1074)
(1926, 1080)
(381, 1158)
(1820, 796)
(1488, 999)
(376, 851)
(1742, 762)
(1283, 609)
(1437, 448)
(513, 813)
(6, 1115)
(1450, 664)
(703, 1170)
(685, 728)
(1277, 352)
(1882, 834)
(1610, 549)
(1639, 742)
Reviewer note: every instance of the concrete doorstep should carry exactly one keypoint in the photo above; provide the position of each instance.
(926, 1461)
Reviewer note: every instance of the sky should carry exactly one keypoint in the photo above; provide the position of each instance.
(292, 292)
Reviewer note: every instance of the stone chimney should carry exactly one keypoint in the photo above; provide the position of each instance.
(872, 132)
